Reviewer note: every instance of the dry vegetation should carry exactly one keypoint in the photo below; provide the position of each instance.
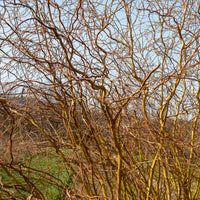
(99, 100)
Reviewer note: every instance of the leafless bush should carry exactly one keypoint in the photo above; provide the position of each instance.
(110, 89)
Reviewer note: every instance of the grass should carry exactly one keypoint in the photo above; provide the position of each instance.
(50, 175)
(44, 170)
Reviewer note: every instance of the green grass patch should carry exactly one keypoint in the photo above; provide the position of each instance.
(46, 171)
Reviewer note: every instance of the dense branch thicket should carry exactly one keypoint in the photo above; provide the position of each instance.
(110, 89)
